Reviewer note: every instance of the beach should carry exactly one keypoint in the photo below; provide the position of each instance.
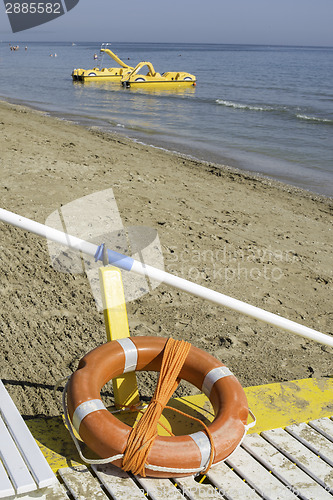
(246, 119)
(247, 236)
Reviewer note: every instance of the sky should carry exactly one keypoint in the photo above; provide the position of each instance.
(267, 22)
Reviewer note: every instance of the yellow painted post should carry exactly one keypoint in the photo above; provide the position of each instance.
(125, 387)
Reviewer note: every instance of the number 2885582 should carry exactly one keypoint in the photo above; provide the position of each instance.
(33, 8)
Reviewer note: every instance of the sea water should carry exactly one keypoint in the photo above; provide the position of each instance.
(264, 109)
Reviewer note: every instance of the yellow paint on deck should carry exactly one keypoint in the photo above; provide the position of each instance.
(275, 405)
(286, 403)
(54, 441)
(125, 387)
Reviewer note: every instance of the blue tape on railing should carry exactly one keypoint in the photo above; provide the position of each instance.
(118, 259)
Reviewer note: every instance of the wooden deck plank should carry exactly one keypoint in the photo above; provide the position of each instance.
(197, 491)
(54, 492)
(33, 457)
(284, 469)
(324, 426)
(160, 489)
(229, 484)
(6, 487)
(313, 440)
(259, 478)
(314, 466)
(14, 464)
(117, 482)
(81, 483)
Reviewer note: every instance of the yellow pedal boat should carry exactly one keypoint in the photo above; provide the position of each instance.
(103, 74)
(167, 79)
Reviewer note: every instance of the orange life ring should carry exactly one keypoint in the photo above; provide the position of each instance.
(172, 456)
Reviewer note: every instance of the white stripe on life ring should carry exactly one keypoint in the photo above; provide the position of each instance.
(203, 443)
(84, 409)
(131, 354)
(213, 376)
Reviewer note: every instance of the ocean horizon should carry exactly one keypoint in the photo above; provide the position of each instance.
(262, 109)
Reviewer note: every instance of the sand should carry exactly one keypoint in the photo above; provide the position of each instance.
(255, 239)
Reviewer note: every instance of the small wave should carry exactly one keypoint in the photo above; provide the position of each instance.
(237, 105)
(314, 119)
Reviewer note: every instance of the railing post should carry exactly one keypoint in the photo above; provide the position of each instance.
(125, 387)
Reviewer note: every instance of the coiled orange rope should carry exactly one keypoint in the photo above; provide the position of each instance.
(142, 436)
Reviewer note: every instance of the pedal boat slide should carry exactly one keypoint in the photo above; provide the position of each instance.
(104, 74)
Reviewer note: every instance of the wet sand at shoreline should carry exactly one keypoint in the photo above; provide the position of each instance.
(249, 237)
